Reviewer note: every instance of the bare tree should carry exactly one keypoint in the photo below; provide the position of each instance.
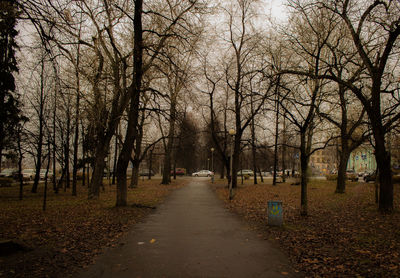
(374, 31)
(304, 95)
(243, 44)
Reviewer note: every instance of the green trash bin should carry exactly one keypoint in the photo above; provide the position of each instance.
(275, 213)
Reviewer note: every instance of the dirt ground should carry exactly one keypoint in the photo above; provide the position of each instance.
(72, 230)
(344, 234)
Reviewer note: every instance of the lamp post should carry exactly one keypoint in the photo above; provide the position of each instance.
(232, 133)
(212, 165)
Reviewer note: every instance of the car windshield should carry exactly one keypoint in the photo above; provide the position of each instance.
(7, 171)
(27, 171)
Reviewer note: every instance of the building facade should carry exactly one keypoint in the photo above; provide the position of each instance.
(362, 159)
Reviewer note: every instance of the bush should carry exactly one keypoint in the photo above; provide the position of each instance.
(396, 179)
(6, 182)
(331, 177)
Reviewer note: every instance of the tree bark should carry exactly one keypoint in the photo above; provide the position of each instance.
(276, 133)
(166, 179)
(134, 177)
(343, 159)
(20, 158)
(40, 139)
(236, 155)
(115, 157)
(76, 136)
(133, 114)
(385, 175)
(97, 175)
(254, 150)
(304, 166)
(284, 150)
(137, 154)
(67, 151)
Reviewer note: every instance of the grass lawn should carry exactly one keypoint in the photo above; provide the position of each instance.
(72, 230)
(343, 236)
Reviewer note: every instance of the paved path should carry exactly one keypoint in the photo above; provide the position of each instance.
(195, 236)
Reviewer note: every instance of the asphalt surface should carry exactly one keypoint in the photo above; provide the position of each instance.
(191, 235)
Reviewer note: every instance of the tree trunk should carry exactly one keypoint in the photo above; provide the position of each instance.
(40, 139)
(83, 155)
(381, 154)
(276, 132)
(123, 160)
(174, 166)
(236, 157)
(134, 176)
(115, 157)
(46, 175)
(76, 138)
(283, 150)
(385, 176)
(126, 151)
(133, 114)
(166, 179)
(343, 159)
(150, 163)
(138, 152)
(98, 169)
(67, 152)
(261, 177)
(1, 156)
(20, 158)
(55, 187)
(304, 166)
(254, 150)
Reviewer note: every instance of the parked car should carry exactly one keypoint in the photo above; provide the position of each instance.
(203, 173)
(266, 174)
(370, 176)
(245, 173)
(146, 172)
(351, 175)
(179, 171)
(28, 174)
(43, 174)
(8, 173)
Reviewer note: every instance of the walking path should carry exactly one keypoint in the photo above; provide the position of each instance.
(191, 235)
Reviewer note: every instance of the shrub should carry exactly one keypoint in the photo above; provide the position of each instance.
(331, 177)
(6, 182)
(396, 179)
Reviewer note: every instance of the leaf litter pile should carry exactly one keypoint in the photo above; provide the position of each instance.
(72, 230)
(343, 236)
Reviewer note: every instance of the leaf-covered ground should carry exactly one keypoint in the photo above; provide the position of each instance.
(72, 230)
(343, 236)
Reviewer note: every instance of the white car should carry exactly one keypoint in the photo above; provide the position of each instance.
(245, 173)
(43, 174)
(28, 174)
(203, 173)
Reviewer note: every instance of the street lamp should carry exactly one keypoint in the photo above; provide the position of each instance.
(212, 165)
(232, 133)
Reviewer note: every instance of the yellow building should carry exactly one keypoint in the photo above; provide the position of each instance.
(323, 161)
